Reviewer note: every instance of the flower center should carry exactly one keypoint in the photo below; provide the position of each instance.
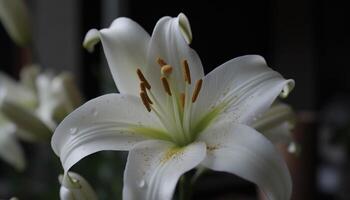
(175, 113)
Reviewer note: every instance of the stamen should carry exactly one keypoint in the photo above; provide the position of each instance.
(182, 100)
(166, 85)
(145, 101)
(197, 89)
(143, 89)
(142, 86)
(161, 62)
(186, 71)
(166, 70)
(142, 78)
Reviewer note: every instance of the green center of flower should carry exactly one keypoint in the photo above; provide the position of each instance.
(175, 113)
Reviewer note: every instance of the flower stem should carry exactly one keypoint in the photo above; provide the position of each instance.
(185, 188)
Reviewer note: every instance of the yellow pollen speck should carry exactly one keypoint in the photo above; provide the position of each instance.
(171, 154)
(212, 148)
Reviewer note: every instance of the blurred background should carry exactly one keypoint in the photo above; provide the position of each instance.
(305, 40)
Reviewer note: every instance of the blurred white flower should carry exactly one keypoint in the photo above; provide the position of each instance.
(171, 117)
(14, 16)
(31, 109)
(10, 149)
(75, 187)
(277, 124)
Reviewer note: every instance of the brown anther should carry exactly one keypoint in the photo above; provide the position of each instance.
(143, 89)
(142, 78)
(145, 102)
(148, 99)
(166, 85)
(142, 86)
(166, 70)
(197, 89)
(182, 100)
(186, 71)
(161, 62)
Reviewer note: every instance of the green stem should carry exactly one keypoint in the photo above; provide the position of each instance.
(185, 188)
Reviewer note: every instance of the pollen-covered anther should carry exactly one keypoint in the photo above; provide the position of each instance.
(161, 62)
(142, 78)
(143, 89)
(166, 70)
(197, 89)
(165, 84)
(182, 100)
(186, 71)
(145, 102)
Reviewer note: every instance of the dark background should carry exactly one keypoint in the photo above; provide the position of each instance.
(305, 40)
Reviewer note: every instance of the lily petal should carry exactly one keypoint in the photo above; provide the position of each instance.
(12, 91)
(10, 149)
(125, 46)
(76, 187)
(241, 150)
(28, 75)
(49, 99)
(26, 120)
(92, 38)
(169, 41)
(15, 17)
(276, 123)
(247, 87)
(154, 167)
(100, 124)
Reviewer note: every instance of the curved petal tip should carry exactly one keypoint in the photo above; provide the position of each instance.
(75, 187)
(287, 88)
(92, 37)
(185, 27)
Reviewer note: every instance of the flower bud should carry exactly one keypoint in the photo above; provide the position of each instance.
(75, 187)
(15, 18)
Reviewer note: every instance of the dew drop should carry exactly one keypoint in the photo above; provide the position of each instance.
(94, 112)
(142, 183)
(73, 131)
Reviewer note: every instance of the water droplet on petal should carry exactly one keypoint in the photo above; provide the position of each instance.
(142, 183)
(94, 112)
(73, 131)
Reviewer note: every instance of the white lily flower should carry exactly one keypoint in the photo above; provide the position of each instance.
(277, 124)
(171, 117)
(75, 187)
(10, 149)
(30, 110)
